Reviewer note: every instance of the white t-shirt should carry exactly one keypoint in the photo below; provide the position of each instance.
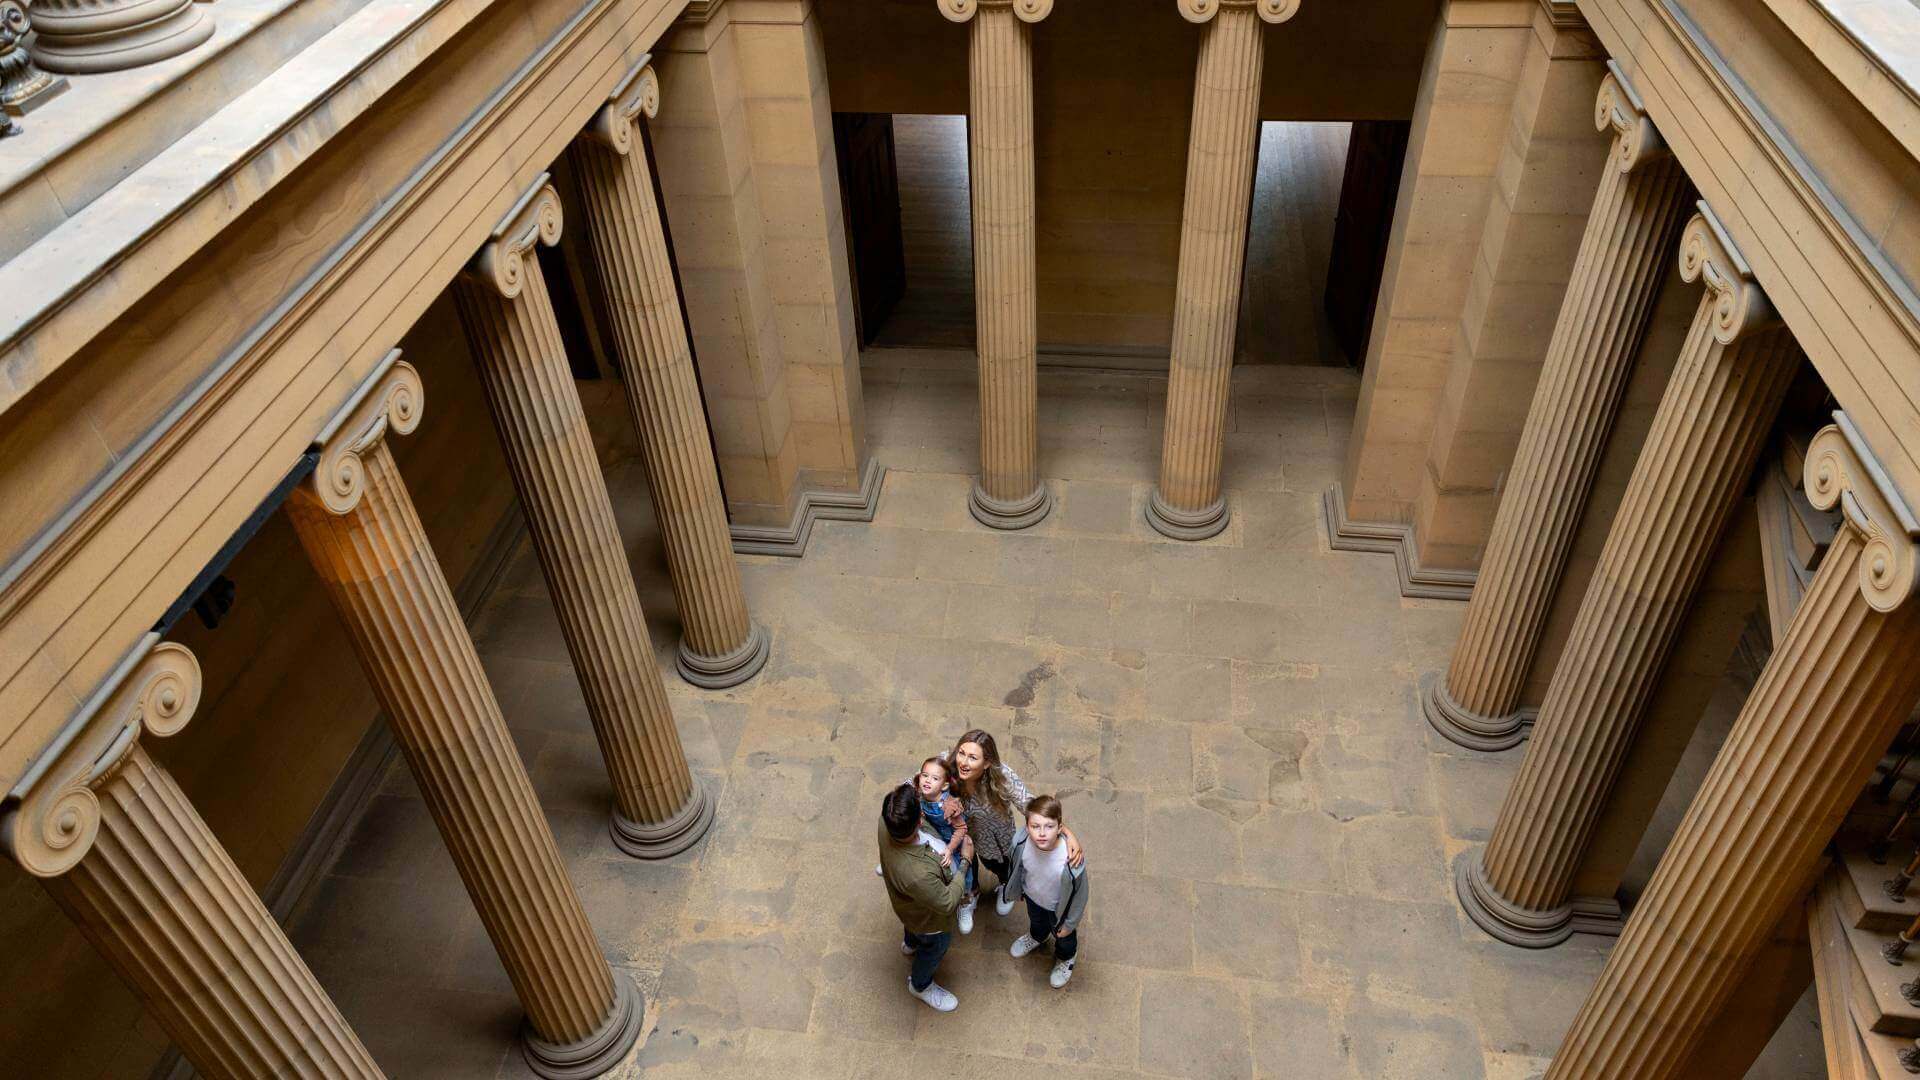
(1043, 869)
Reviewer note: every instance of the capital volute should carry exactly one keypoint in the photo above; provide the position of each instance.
(49, 820)
(1029, 11)
(390, 399)
(1707, 255)
(1273, 12)
(1619, 107)
(534, 219)
(637, 95)
(1842, 472)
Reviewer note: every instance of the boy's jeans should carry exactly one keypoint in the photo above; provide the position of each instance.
(927, 951)
(1040, 926)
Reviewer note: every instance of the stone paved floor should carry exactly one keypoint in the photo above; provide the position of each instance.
(1231, 725)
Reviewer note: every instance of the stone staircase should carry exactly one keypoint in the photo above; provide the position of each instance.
(1866, 1020)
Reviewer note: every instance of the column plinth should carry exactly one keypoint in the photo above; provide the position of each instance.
(1806, 742)
(658, 808)
(1699, 454)
(88, 37)
(358, 525)
(122, 851)
(720, 645)
(1618, 271)
(1008, 493)
(1187, 503)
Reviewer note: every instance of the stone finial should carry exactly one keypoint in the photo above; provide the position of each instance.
(1707, 254)
(535, 219)
(1030, 11)
(1274, 12)
(1842, 471)
(637, 95)
(1619, 107)
(391, 398)
(49, 820)
(23, 87)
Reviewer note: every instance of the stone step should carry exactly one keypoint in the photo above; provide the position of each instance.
(1867, 905)
(1877, 1000)
(1882, 1053)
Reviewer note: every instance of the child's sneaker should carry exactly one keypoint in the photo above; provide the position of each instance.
(1023, 945)
(1062, 971)
(966, 914)
(906, 949)
(937, 997)
(1002, 903)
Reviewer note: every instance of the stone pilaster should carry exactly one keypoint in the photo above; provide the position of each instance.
(1826, 706)
(721, 646)
(658, 808)
(1615, 278)
(360, 530)
(1732, 375)
(120, 848)
(1187, 503)
(1008, 494)
(87, 37)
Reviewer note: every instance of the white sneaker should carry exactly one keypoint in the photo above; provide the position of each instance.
(906, 949)
(876, 871)
(1002, 904)
(966, 915)
(1023, 945)
(1062, 971)
(936, 996)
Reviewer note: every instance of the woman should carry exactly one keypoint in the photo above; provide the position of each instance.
(993, 802)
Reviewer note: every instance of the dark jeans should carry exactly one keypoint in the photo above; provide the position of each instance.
(1040, 925)
(1000, 868)
(927, 951)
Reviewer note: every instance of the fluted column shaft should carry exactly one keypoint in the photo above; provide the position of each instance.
(1009, 494)
(165, 904)
(1622, 261)
(94, 36)
(1698, 456)
(720, 645)
(1187, 503)
(360, 530)
(543, 428)
(1805, 744)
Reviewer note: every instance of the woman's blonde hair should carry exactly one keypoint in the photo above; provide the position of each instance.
(991, 784)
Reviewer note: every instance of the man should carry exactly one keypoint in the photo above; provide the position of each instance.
(925, 896)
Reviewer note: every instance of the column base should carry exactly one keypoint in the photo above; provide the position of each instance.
(1201, 524)
(1465, 727)
(599, 1051)
(1514, 925)
(118, 40)
(670, 837)
(732, 669)
(1015, 514)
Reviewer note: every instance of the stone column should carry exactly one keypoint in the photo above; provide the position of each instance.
(720, 646)
(360, 530)
(1187, 503)
(1008, 494)
(121, 850)
(658, 808)
(1615, 278)
(88, 37)
(1732, 375)
(1824, 710)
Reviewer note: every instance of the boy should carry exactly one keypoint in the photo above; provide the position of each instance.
(1056, 891)
(924, 894)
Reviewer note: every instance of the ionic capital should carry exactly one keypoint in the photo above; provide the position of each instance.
(1030, 11)
(49, 820)
(390, 399)
(1707, 255)
(1619, 107)
(1842, 471)
(612, 127)
(1270, 11)
(535, 219)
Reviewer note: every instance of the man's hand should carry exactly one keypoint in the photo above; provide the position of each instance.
(946, 861)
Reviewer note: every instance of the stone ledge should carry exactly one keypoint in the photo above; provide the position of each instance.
(790, 540)
(1396, 540)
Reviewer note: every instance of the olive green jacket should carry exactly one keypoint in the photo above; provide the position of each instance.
(924, 895)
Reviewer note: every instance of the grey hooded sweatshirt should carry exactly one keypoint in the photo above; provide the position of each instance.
(1073, 886)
